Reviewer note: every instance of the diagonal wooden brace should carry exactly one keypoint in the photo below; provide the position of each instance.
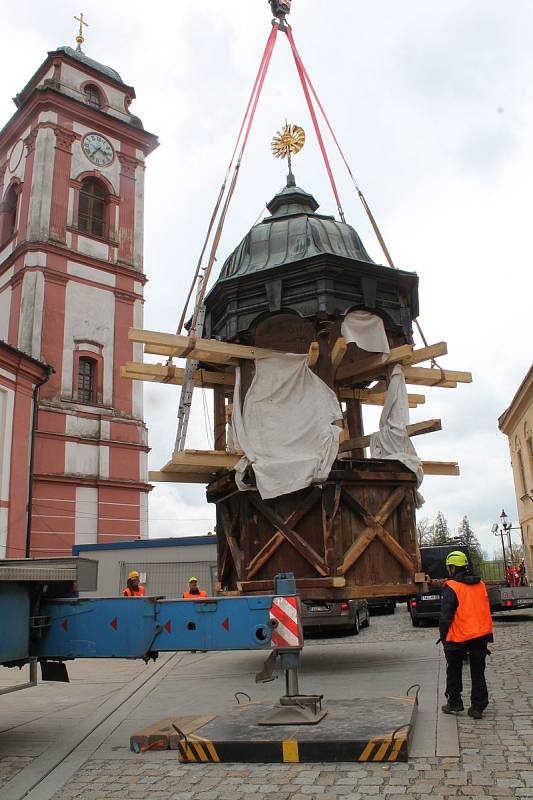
(299, 544)
(375, 528)
(268, 550)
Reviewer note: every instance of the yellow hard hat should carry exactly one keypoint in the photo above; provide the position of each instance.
(133, 574)
(193, 579)
(456, 559)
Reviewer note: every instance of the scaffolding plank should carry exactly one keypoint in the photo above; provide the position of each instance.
(375, 365)
(450, 468)
(163, 373)
(208, 350)
(416, 429)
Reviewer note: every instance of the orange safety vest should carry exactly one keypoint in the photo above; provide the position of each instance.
(189, 596)
(472, 618)
(131, 593)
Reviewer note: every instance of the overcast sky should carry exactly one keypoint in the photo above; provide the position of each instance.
(433, 105)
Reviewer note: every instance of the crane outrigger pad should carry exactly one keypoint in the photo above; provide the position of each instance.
(356, 730)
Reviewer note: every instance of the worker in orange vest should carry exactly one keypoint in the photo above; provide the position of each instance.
(465, 628)
(134, 589)
(194, 592)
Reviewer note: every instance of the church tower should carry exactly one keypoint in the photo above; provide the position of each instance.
(71, 285)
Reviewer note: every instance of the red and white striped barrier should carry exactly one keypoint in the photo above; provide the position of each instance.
(286, 623)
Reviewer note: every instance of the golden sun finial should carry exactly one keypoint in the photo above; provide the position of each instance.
(288, 141)
(79, 37)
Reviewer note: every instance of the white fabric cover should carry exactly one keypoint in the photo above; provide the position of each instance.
(366, 330)
(392, 440)
(287, 426)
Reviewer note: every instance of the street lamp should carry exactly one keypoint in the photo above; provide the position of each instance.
(497, 531)
(507, 525)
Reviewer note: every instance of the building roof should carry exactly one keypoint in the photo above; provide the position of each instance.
(293, 232)
(141, 544)
(79, 55)
(49, 370)
(521, 394)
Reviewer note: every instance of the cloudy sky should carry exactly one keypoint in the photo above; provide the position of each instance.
(433, 105)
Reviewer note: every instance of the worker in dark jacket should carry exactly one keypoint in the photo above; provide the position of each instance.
(465, 628)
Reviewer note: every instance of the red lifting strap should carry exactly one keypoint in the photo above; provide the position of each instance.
(306, 83)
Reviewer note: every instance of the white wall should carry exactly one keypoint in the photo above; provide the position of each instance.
(5, 310)
(31, 314)
(86, 515)
(41, 188)
(89, 314)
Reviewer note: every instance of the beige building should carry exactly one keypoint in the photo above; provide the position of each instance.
(517, 424)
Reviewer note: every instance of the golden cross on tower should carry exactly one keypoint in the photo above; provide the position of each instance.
(79, 37)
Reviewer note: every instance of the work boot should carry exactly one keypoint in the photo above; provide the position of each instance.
(453, 709)
(475, 713)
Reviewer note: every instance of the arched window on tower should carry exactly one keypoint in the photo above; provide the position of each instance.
(92, 207)
(93, 97)
(8, 215)
(86, 380)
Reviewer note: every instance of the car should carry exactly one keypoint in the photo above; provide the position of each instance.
(344, 616)
(385, 605)
(425, 608)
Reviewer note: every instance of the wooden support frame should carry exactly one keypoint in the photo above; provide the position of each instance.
(375, 365)
(168, 373)
(370, 398)
(266, 552)
(375, 527)
(446, 378)
(208, 350)
(338, 352)
(299, 544)
(448, 468)
(416, 429)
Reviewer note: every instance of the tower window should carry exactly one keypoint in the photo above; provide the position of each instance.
(92, 96)
(86, 380)
(8, 215)
(92, 207)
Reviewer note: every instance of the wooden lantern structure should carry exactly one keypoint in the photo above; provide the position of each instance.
(287, 288)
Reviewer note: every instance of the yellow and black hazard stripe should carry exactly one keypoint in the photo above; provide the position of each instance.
(386, 748)
(196, 750)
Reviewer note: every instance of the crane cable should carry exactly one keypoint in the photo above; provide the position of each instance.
(248, 115)
(306, 85)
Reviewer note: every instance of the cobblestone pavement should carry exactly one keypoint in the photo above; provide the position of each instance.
(496, 752)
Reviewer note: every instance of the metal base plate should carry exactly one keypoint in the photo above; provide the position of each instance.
(356, 730)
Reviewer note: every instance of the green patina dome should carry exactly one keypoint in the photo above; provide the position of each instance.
(292, 233)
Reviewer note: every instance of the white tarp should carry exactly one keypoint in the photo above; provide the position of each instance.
(366, 330)
(287, 426)
(392, 440)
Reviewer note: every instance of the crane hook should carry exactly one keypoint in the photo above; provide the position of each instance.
(280, 8)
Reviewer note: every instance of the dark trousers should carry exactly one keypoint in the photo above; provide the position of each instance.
(454, 674)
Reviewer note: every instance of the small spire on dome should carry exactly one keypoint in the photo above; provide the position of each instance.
(79, 37)
(286, 143)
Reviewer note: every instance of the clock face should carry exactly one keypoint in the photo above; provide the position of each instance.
(98, 149)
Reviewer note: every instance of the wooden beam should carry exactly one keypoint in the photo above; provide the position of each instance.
(299, 544)
(213, 459)
(375, 365)
(374, 527)
(447, 378)
(450, 468)
(174, 477)
(338, 351)
(314, 352)
(161, 373)
(369, 398)
(418, 428)
(209, 350)
(267, 551)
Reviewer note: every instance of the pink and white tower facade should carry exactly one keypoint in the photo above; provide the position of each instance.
(71, 284)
